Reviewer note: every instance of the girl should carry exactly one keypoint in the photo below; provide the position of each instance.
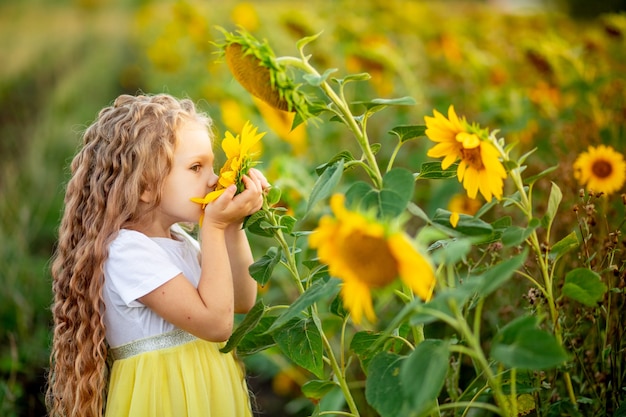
(129, 284)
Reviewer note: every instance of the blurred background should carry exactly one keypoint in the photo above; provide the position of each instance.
(550, 74)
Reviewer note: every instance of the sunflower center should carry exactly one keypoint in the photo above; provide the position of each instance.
(472, 158)
(601, 168)
(370, 259)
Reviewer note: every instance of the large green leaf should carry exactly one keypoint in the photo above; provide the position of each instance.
(521, 344)
(301, 341)
(257, 338)
(423, 374)
(584, 286)
(248, 323)
(392, 200)
(361, 345)
(382, 388)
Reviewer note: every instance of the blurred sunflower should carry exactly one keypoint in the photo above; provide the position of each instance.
(479, 168)
(462, 204)
(600, 169)
(366, 255)
(240, 151)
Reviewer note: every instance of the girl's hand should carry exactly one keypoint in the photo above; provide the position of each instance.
(230, 208)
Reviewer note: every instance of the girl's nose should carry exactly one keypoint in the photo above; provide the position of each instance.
(213, 179)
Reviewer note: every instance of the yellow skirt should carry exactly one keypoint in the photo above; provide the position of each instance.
(175, 375)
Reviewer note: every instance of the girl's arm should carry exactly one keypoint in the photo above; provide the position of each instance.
(240, 256)
(208, 311)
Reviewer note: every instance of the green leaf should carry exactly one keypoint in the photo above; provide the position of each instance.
(382, 388)
(318, 290)
(317, 80)
(249, 322)
(363, 76)
(317, 389)
(392, 200)
(356, 192)
(535, 178)
(261, 270)
(361, 345)
(301, 341)
(273, 195)
(257, 339)
(346, 156)
(301, 43)
(521, 344)
(468, 225)
(287, 223)
(553, 205)
(325, 184)
(401, 182)
(496, 276)
(407, 132)
(380, 103)
(515, 235)
(584, 286)
(423, 374)
(563, 246)
(433, 171)
(257, 224)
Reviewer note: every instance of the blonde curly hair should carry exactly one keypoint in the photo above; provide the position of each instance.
(127, 150)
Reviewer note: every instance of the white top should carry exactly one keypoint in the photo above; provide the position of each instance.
(137, 265)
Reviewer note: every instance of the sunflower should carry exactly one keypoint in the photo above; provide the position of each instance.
(256, 68)
(600, 169)
(479, 168)
(366, 255)
(240, 151)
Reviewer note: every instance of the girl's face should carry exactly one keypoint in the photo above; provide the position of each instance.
(191, 175)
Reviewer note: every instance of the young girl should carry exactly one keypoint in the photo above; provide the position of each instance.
(129, 284)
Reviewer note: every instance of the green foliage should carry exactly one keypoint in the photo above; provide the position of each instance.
(530, 295)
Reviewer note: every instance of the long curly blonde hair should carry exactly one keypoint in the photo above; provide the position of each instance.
(127, 150)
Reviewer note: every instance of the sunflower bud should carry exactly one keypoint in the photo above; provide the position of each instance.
(253, 76)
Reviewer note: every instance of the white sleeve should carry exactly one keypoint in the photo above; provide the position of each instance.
(136, 266)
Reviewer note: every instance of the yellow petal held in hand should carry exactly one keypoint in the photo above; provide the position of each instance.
(479, 167)
(240, 151)
(365, 255)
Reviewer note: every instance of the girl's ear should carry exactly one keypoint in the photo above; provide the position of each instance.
(147, 196)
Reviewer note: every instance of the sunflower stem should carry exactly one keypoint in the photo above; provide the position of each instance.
(347, 116)
(543, 262)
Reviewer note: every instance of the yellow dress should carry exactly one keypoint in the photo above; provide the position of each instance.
(176, 375)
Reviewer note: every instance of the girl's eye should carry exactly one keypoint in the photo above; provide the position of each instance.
(195, 168)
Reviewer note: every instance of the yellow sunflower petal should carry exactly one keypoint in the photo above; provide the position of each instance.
(357, 299)
(454, 218)
(414, 270)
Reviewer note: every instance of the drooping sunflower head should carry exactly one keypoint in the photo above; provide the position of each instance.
(600, 169)
(366, 254)
(254, 65)
(479, 167)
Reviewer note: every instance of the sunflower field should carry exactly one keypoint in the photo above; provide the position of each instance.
(444, 234)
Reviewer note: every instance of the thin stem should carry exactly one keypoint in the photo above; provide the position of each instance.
(344, 109)
(341, 378)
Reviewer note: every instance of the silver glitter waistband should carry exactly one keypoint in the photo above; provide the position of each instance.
(166, 340)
